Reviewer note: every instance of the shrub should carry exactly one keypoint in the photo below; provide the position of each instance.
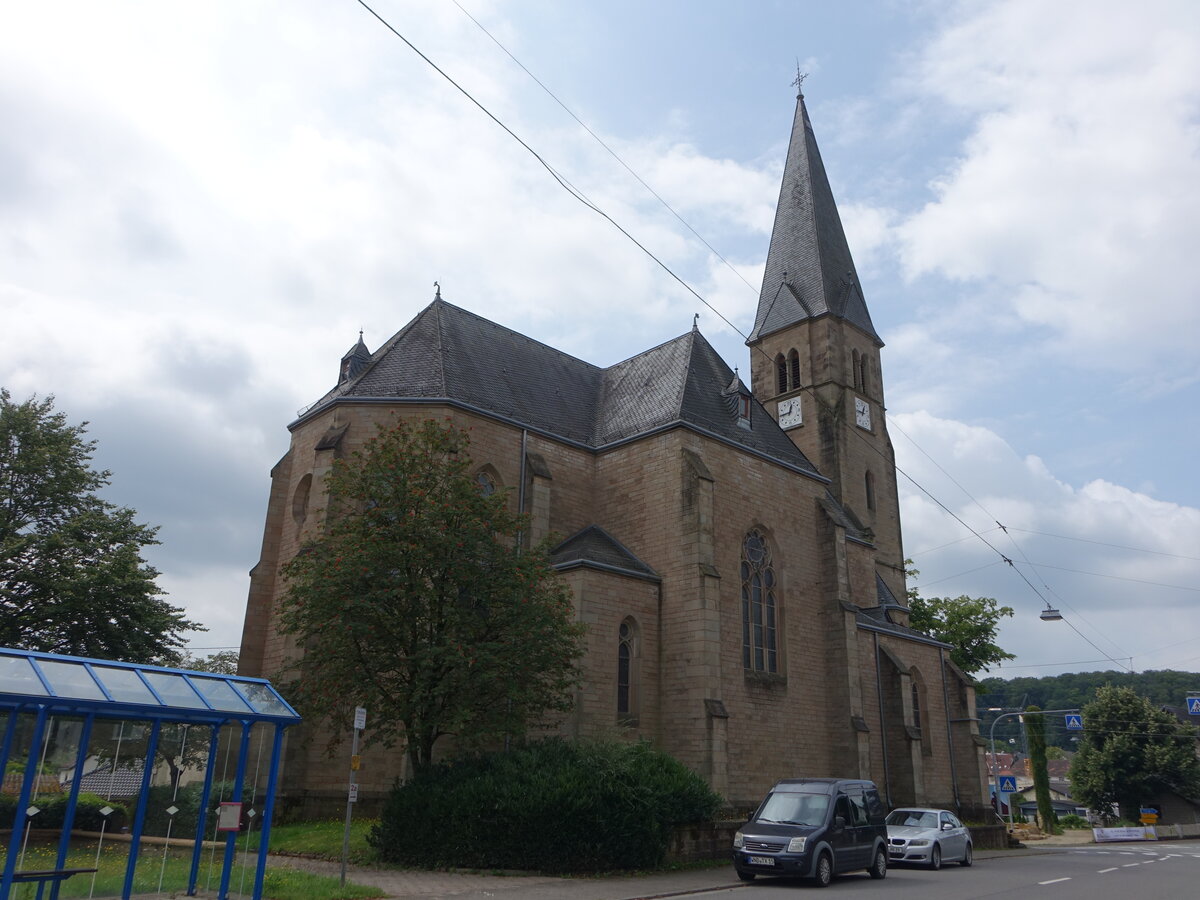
(554, 806)
(53, 810)
(1071, 820)
(187, 801)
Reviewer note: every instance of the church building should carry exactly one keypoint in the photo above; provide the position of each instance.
(734, 550)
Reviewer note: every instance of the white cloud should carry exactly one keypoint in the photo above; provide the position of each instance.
(1102, 553)
(1078, 189)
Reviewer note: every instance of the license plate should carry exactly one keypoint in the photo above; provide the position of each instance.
(761, 860)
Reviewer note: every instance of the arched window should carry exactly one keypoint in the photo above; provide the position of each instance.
(759, 619)
(916, 705)
(627, 655)
(794, 365)
(861, 376)
(869, 484)
(855, 370)
(300, 499)
(781, 374)
(485, 482)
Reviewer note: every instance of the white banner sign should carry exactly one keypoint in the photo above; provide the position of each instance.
(1145, 833)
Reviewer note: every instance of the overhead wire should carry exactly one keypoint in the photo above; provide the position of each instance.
(582, 198)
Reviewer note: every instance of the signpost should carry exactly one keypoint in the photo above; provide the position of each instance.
(1193, 706)
(1008, 784)
(1074, 722)
(360, 722)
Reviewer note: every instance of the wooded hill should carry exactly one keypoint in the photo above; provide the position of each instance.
(1075, 690)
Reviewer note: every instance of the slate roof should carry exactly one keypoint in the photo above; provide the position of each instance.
(877, 618)
(449, 354)
(593, 546)
(809, 245)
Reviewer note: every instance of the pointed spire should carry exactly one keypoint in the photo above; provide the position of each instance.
(809, 270)
(354, 360)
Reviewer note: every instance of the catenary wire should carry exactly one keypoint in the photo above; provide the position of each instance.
(610, 150)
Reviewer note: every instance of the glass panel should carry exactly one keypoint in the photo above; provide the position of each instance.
(70, 679)
(17, 677)
(263, 699)
(220, 695)
(174, 690)
(124, 685)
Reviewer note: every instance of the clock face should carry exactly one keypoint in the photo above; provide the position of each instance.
(862, 413)
(789, 413)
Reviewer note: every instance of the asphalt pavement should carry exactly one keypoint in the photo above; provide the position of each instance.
(432, 885)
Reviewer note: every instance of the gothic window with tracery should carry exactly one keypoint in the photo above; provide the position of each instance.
(627, 673)
(759, 609)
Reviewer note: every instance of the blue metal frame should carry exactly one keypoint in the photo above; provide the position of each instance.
(262, 706)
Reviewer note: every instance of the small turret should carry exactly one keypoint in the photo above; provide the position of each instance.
(354, 361)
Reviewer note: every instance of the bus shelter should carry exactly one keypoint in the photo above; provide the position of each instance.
(40, 686)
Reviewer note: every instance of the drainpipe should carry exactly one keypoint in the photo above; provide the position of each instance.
(521, 483)
(887, 777)
(949, 730)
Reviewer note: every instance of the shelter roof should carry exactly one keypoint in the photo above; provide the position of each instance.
(72, 685)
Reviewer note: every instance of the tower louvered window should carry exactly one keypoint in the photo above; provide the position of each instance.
(781, 373)
(759, 611)
(794, 366)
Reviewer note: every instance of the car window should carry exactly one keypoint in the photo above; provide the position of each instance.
(913, 818)
(795, 808)
(874, 804)
(858, 808)
(843, 810)
(948, 819)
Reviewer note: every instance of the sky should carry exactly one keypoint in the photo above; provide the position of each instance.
(202, 204)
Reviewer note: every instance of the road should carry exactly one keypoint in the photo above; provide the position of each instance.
(1083, 873)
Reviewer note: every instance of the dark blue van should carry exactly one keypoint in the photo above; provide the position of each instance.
(814, 828)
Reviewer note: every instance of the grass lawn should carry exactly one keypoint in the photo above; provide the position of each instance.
(321, 840)
(279, 884)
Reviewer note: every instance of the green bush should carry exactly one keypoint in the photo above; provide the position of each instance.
(53, 810)
(187, 801)
(1073, 821)
(553, 806)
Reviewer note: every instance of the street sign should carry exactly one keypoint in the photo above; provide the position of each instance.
(1008, 784)
(1193, 706)
(360, 718)
(1074, 722)
(353, 793)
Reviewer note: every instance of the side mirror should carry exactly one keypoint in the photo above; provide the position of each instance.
(946, 826)
(839, 822)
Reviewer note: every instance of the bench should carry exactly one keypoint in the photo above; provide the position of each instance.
(43, 877)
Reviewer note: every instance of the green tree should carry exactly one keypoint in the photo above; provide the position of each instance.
(968, 624)
(72, 578)
(417, 603)
(1035, 729)
(1130, 752)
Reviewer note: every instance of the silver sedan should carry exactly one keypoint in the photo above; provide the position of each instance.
(928, 837)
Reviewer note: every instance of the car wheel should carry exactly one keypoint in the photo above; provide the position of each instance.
(879, 867)
(746, 876)
(824, 874)
(935, 857)
(968, 857)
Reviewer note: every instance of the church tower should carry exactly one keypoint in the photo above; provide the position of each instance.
(815, 352)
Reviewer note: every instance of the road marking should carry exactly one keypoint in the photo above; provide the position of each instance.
(1054, 881)
(1127, 865)
(1113, 869)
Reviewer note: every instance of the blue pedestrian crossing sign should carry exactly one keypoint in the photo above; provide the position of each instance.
(1075, 722)
(1193, 706)
(1008, 784)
